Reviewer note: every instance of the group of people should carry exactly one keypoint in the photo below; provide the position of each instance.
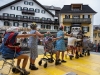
(74, 46)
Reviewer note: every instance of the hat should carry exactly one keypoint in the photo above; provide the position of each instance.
(12, 29)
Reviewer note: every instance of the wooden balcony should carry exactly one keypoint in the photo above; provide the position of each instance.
(28, 12)
(21, 19)
(77, 20)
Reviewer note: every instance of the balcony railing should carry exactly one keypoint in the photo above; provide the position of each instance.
(21, 19)
(28, 12)
(77, 20)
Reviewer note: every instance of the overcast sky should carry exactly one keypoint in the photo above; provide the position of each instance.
(94, 4)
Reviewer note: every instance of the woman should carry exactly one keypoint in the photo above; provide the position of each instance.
(33, 44)
(60, 46)
(8, 48)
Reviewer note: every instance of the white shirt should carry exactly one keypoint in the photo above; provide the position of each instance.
(72, 40)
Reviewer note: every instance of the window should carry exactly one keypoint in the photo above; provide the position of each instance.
(95, 41)
(43, 11)
(43, 26)
(19, 8)
(16, 24)
(5, 14)
(37, 10)
(12, 15)
(26, 2)
(18, 16)
(12, 8)
(98, 34)
(49, 19)
(48, 27)
(94, 35)
(86, 16)
(31, 17)
(31, 9)
(67, 16)
(25, 8)
(25, 17)
(6, 23)
(25, 24)
(67, 28)
(76, 16)
(37, 18)
(31, 3)
(86, 29)
(43, 18)
(56, 27)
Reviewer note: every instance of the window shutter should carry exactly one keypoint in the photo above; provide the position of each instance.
(64, 28)
(69, 16)
(88, 16)
(83, 16)
(88, 29)
(69, 30)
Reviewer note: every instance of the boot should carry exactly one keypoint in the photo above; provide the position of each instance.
(33, 67)
(81, 55)
(77, 56)
(57, 62)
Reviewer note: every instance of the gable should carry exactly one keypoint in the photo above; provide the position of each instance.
(16, 1)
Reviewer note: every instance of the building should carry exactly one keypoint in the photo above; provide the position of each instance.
(77, 17)
(96, 34)
(23, 12)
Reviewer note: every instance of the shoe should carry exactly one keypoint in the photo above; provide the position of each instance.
(15, 70)
(26, 72)
(33, 67)
(81, 55)
(57, 62)
(63, 61)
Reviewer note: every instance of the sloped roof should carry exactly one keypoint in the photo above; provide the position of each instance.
(96, 27)
(15, 1)
(49, 7)
(85, 9)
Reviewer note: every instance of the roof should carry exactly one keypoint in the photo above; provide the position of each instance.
(50, 7)
(96, 27)
(85, 9)
(15, 1)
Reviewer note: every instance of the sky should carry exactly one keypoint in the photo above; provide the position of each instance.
(94, 4)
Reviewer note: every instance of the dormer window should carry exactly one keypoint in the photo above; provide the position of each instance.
(76, 7)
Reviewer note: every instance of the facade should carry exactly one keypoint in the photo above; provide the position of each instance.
(22, 13)
(76, 17)
(96, 34)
